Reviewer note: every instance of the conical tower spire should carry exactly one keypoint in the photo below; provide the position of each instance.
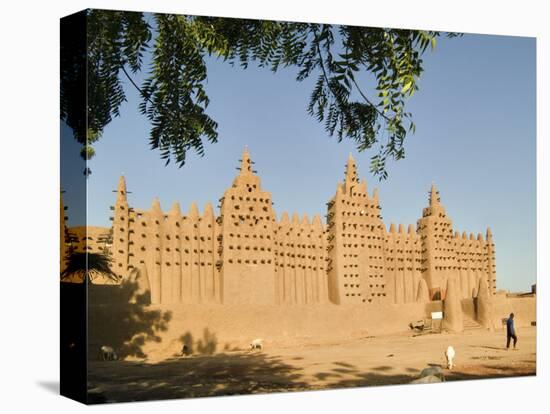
(121, 188)
(208, 211)
(434, 196)
(121, 191)
(317, 221)
(351, 171)
(284, 219)
(246, 163)
(193, 211)
(155, 206)
(175, 210)
(247, 176)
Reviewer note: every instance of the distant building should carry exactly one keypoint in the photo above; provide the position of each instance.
(244, 255)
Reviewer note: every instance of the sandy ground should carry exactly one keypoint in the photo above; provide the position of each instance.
(395, 359)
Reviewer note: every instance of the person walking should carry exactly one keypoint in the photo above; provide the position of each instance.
(510, 332)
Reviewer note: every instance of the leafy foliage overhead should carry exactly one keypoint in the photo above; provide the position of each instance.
(340, 58)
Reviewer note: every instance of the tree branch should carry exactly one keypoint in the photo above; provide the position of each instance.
(319, 53)
(135, 85)
(368, 100)
(321, 62)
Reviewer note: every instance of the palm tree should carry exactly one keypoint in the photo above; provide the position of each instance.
(87, 266)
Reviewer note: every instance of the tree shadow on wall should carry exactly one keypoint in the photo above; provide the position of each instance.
(119, 316)
(206, 345)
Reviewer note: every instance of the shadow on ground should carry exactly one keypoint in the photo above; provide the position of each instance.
(487, 371)
(352, 376)
(382, 375)
(236, 373)
(187, 377)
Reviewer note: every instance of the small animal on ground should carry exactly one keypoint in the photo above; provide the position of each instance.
(185, 351)
(256, 344)
(449, 355)
(107, 353)
(418, 325)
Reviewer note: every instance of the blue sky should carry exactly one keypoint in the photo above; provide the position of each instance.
(475, 138)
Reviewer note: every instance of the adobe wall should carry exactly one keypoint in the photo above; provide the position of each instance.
(300, 261)
(115, 317)
(81, 239)
(523, 308)
(87, 238)
(246, 256)
(474, 260)
(469, 308)
(236, 325)
(403, 253)
(242, 323)
(178, 251)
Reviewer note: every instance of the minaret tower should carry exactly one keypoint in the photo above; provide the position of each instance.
(247, 240)
(438, 258)
(491, 268)
(120, 230)
(355, 240)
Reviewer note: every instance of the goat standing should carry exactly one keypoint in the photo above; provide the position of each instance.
(107, 353)
(449, 355)
(256, 344)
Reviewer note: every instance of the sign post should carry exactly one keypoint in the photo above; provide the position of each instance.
(437, 316)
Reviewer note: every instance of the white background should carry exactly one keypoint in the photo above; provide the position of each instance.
(29, 156)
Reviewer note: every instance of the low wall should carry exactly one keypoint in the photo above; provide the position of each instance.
(239, 323)
(118, 318)
(159, 331)
(523, 308)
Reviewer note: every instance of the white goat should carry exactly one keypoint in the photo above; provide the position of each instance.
(256, 344)
(449, 355)
(107, 353)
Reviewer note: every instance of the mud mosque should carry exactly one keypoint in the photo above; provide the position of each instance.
(246, 256)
